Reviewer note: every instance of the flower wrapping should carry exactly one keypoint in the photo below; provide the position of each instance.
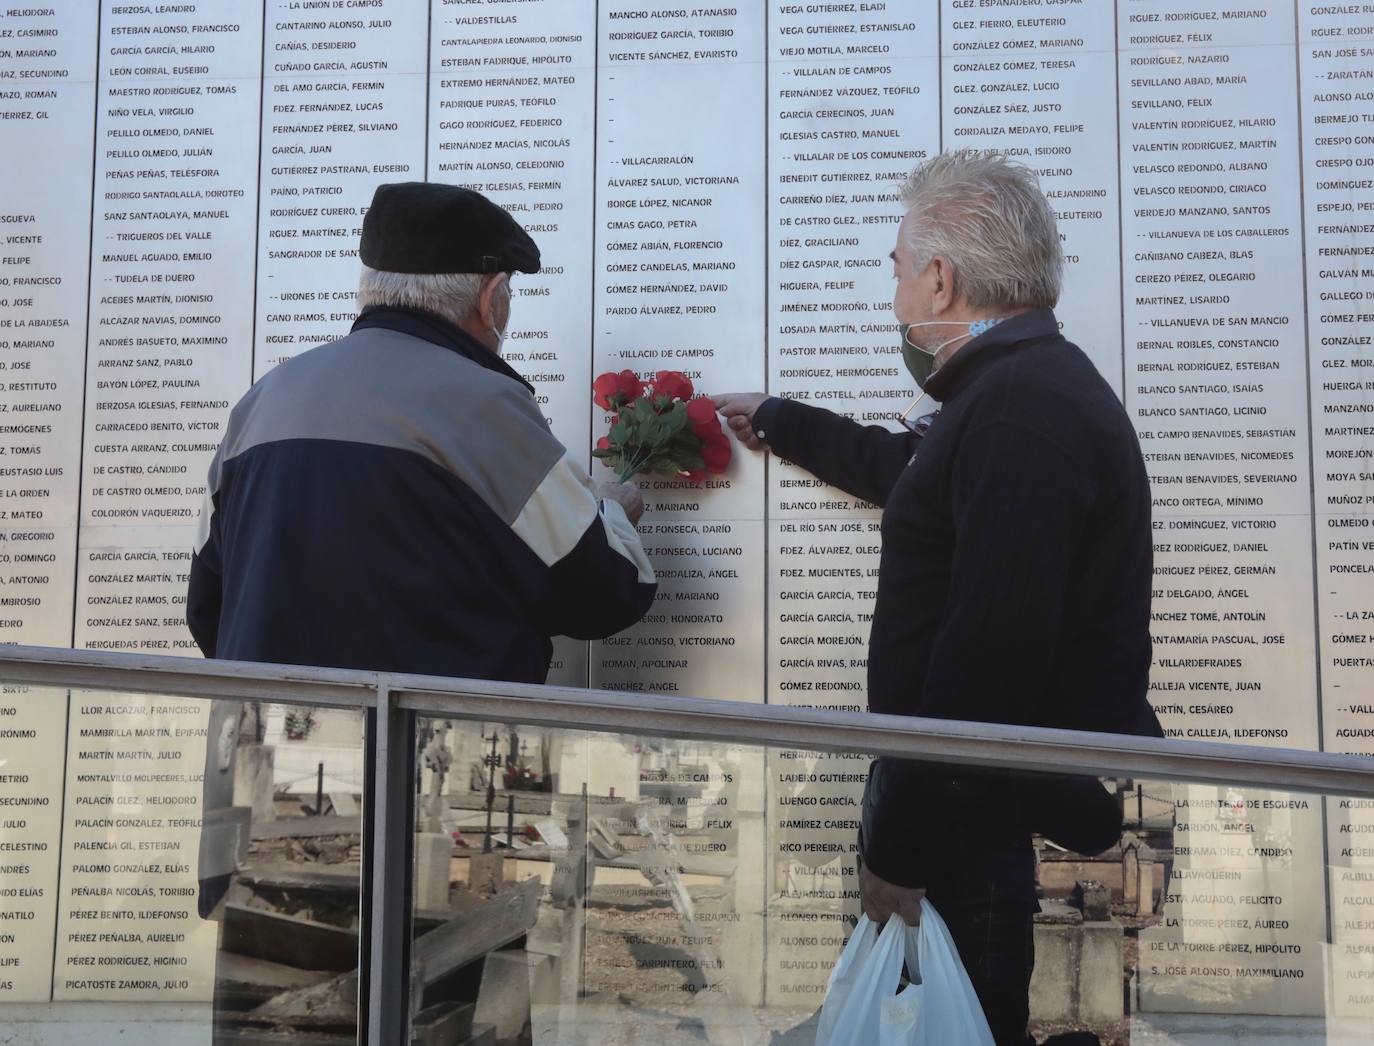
(661, 427)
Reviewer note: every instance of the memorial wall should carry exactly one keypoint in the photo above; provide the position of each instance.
(713, 190)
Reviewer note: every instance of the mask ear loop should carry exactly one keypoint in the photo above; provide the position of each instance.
(914, 424)
(975, 328)
(501, 334)
(904, 418)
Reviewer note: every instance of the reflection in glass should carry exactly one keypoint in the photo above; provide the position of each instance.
(203, 870)
(618, 889)
(288, 919)
(198, 861)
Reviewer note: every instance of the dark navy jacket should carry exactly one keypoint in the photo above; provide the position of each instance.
(394, 501)
(1017, 562)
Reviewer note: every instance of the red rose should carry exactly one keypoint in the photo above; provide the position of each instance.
(716, 453)
(673, 384)
(603, 388)
(694, 476)
(702, 417)
(611, 391)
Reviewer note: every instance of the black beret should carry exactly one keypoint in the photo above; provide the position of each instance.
(426, 227)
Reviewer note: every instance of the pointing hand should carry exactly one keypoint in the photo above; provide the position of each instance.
(737, 408)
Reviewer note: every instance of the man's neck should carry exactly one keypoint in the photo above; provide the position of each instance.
(472, 327)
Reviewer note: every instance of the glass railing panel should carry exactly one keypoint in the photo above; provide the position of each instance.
(177, 869)
(637, 889)
(619, 858)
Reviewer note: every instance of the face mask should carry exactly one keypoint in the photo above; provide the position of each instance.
(919, 360)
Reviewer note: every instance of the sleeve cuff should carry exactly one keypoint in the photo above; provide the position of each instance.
(766, 417)
(885, 842)
(622, 536)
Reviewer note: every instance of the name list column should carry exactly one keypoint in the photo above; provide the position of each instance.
(679, 285)
(169, 352)
(1215, 367)
(47, 118)
(172, 273)
(853, 107)
(512, 102)
(1338, 171)
(1215, 378)
(344, 110)
(1034, 82)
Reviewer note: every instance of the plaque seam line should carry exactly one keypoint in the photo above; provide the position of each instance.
(58, 899)
(1307, 380)
(257, 228)
(429, 73)
(1327, 886)
(1120, 200)
(770, 839)
(589, 648)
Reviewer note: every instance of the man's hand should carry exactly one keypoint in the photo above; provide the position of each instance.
(737, 408)
(881, 898)
(626, 495)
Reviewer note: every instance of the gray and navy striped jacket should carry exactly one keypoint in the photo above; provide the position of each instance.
(394, 501)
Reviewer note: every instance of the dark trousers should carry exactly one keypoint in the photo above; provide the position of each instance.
(992, 929)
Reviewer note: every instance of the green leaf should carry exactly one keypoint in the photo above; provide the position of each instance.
(648, 424)
(685, 440)
(662, 466)
(689, 460)
(675, 420)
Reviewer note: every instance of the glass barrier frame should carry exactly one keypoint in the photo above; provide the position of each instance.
(392, 702)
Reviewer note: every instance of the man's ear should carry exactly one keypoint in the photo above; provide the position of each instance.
(944, 293)
(488, 299)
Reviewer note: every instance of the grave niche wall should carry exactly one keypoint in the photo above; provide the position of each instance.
(713, 191)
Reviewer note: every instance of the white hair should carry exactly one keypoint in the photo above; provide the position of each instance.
(986, 215)
(452, 295)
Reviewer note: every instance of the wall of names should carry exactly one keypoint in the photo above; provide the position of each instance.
(713, 190)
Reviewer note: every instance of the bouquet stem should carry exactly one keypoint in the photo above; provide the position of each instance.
(630, 467)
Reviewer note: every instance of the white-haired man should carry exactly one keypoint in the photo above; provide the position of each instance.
(394, 500)
(1014, 581)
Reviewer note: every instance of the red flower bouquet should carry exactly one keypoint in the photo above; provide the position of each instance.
(660, 427)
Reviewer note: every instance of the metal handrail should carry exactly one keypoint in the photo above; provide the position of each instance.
(740, 722)
(391, 703)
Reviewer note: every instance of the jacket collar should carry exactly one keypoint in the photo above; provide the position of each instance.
(946, 382)
(437, 331)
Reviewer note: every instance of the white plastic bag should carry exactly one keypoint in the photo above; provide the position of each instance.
(863, 986)
(951, 1012)
(862, 1004)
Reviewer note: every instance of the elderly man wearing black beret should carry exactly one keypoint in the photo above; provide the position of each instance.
(394, 500)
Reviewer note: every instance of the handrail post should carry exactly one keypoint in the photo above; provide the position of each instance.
(388, 842)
